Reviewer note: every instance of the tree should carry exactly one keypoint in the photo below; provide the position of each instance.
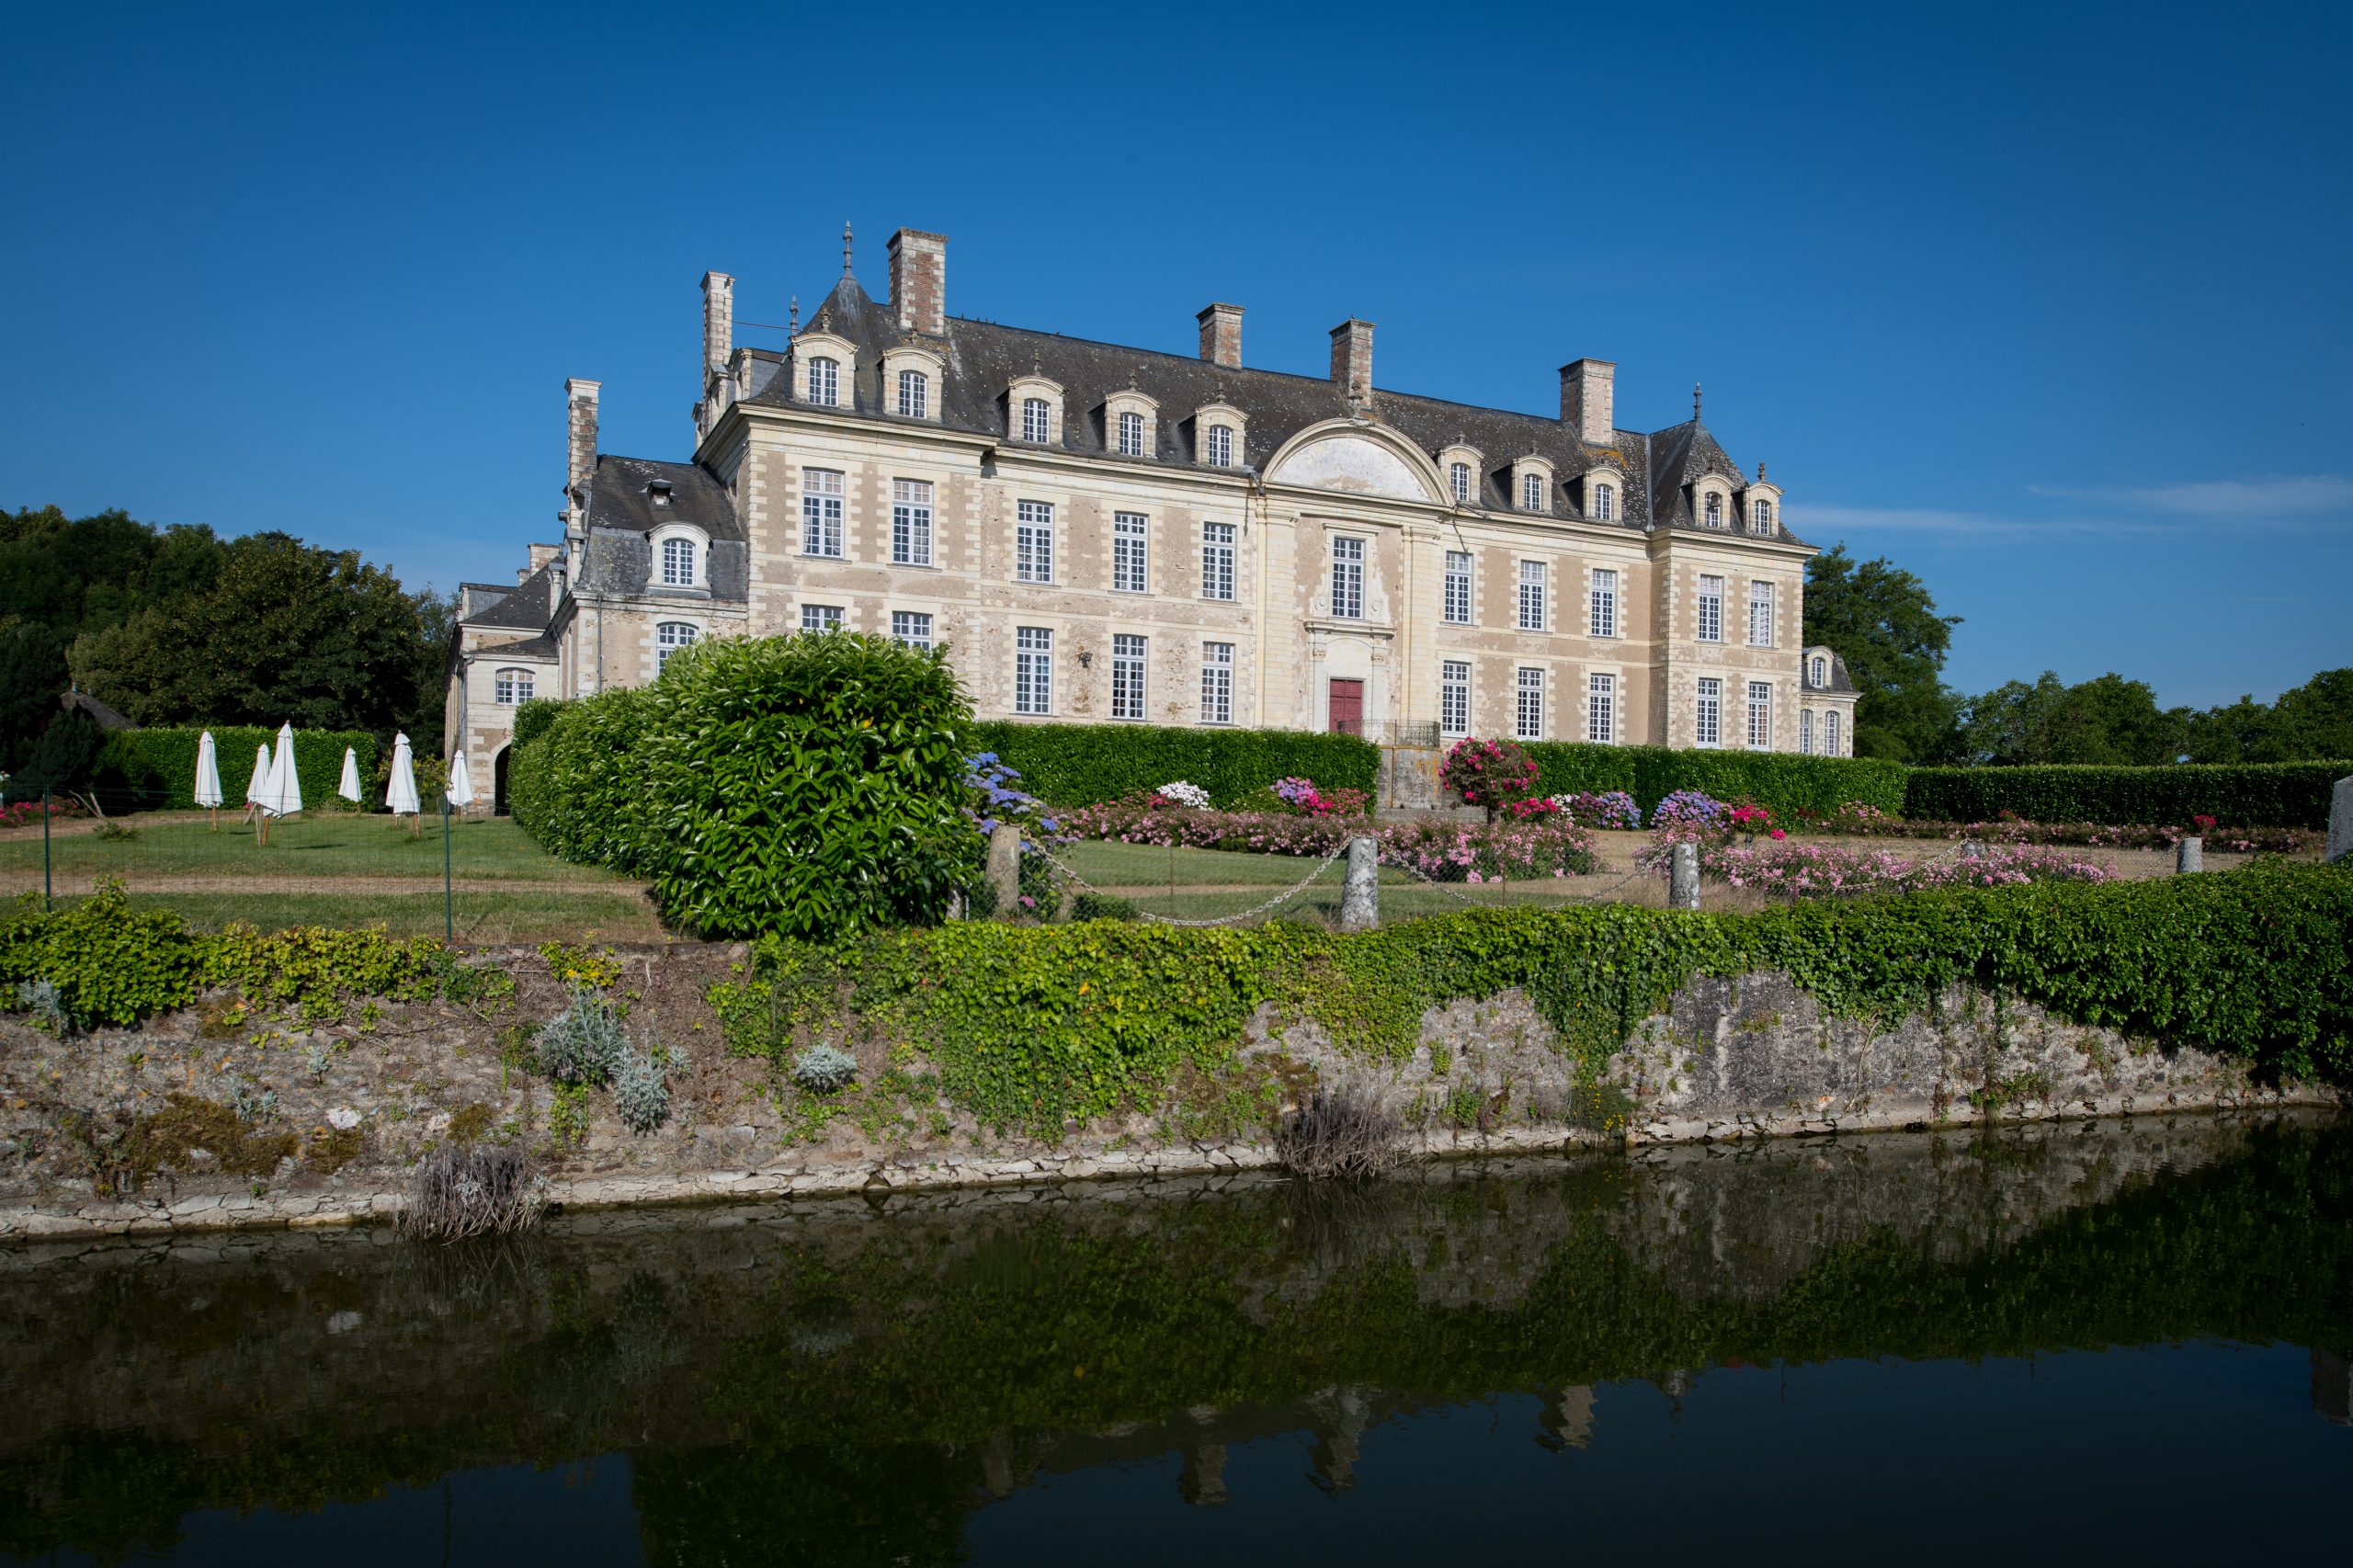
(1881, 620)
(2314, 722)
(2107, 720)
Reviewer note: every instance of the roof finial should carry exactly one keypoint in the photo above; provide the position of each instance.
(1760, 471)
(1695, 403)
(792, 321)
(845, 248)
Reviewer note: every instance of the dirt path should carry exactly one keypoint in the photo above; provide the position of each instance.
(17, 882)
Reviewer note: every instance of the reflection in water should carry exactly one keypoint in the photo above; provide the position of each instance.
(1249, 1371)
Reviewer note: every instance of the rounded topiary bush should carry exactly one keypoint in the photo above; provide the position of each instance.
(809, 786)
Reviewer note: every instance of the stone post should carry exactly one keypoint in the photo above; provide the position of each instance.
(1004, 868)
(1971, 849)
(1360, 901)
(2340, 821)
(2188, 856)
(1683, 877)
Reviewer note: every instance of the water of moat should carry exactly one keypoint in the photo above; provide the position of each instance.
(2072, 1343)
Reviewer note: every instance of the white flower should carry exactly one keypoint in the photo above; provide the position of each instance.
(1186, 794)
(343, 1119)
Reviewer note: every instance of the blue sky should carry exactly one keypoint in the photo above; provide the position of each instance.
(2048, 304)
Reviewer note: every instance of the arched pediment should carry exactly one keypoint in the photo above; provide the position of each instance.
(1357, 459)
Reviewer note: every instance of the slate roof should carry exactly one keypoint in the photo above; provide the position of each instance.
(526, 608)
(620, 495)
(1840, 681)
(543, 646)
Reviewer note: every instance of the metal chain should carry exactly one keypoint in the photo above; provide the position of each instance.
(1285, 896)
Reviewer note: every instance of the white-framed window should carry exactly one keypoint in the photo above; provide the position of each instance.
(1457, 608)
(1220, 445)
(1602, 617)
(1127, 675)
(511, 687)
(1034, 422)
(1760, 716)
(1527, 706)
(1454, 698)
(1131, 425)
(669, 637)
(1217, 560)
(1129, 532)
(1805, 731)
(1601, 708)
(1033, 542)
(821, 512)
(1760, 516)
(1459, 476)
(1531, 596)
(1347, 579)
(915, 395)
(1605, 502)
(1712, 609)
(1033, 669)
(1217, 683)
(1708, 715)
(1820, 672)
(1760, 614)
(1830, 735)
(1532, 492)
(911, 627)
(1714, 510)
(678, 564)
(910, 522)
(826, 381)
(821, 618)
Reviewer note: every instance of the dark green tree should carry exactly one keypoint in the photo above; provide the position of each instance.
(2314, 722)
(1881, 619)
(2107, 720)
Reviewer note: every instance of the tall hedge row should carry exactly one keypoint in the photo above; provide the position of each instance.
(1083, 765)
(580, 786)
(155, 769)
(1783, 780)
(2272, 794)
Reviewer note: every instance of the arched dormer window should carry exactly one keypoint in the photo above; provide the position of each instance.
(1034, 414)
(1532, 492)
(1605, 502)
(1131, 434)
(915, 395)
(1817, 672)
(826, 381)
(1531, 483)
(1464, 466)
(678, 564)
(510, 686)
(1760, 516)
(1458, 478)
(1220, 445)
(824, 368)
(1713, 510)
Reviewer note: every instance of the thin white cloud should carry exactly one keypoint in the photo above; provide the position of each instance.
(1823, 522)
(2278, 500)
(2280, 497)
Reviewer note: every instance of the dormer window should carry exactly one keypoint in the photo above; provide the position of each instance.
(678, 564)
(826, 381)
(1131, 434)
(1034, 419)
(658, 491)
(1605, 503)
(1220, 447)
(1712, 512)
(915, 395)
(1760, 516)
(1817, 672)
(1458, 477)
(1532, 492)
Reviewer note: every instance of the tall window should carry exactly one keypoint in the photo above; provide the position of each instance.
(1033, 419)
(1129, 531)
(1454, 698)
(826, 381)
(1805, 731)
(1033, 670)
(1131, 435)
(669, 637)
(678, 564)
(1760, 716)
(821, 512)
(1531, 596)
(821, 618)
(1347, 578)
(1217, 560)
(1830, 735)
(1760, 614)
(1459, 475)
(1527, 706)
(1715, 510)
(1127, 677)
(1708, 718)
(1712, 609)
(1819, 675)
(1603, 614)
(1457, 587)
(1760, 516)
(1531, 492)
(1601, 708)
(910, 522)
(915, 394)
(513, 687)
(1605, 502)
(1217, 683)
(1220, 445)
(911, 627)
(1033, 542)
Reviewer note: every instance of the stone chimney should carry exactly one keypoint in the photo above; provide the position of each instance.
(580, 461)
(543, 553)
(1588, 400)
(1352, 359)
(718, 324)
(1222, 335)
(919, 282)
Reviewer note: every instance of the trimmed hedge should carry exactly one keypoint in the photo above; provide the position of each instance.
(532, 718)
(580, 788)
(1085, 764)
(1786, 781)
(155, 769)
(2272, 794)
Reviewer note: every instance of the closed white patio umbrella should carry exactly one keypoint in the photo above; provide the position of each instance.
(461, 788)
(349, 787)
(208, 777)
(261, 781)
(281, 792)
(400, 793)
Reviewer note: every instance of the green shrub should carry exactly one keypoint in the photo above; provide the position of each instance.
(583, 1044)
(155, 769)
(1084, 765)
(532, 718)
(1787, 781)
(580, 786)
(2275, 794)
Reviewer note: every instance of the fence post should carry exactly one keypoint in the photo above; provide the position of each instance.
(48, 894)
(1971, 849)
(1360, 899)
(448, 886)
(2340, 821)
(2190, 855)
(1004, 868)
(1683, 877)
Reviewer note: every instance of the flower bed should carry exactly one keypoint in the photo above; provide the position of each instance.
(1442, 850)
(1819, 870)
(1860, 820)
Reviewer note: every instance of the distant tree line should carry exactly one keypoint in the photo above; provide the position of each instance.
(180, 626)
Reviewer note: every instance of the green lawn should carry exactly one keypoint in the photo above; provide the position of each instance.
(307, 846)
(1209, 883)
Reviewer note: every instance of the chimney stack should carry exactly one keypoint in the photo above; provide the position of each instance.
(1588, 400)
(580, 457)
(1352, 359)
(919, 282)
(1222, 335)
(718, 324)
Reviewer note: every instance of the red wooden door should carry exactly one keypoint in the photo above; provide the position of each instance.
(1348, 707)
